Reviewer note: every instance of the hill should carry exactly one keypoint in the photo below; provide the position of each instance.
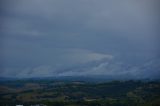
(80, 93)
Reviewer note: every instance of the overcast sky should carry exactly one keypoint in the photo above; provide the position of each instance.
(43, 38)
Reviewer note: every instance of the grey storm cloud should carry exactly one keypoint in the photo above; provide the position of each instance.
(79, 37)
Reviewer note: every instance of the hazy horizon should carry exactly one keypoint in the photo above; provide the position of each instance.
(45, 38)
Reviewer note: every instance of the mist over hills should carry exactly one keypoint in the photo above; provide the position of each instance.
(103, 69)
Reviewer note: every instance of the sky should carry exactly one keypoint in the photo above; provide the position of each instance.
(47, 38)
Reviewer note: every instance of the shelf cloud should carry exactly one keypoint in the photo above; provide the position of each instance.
(41, 38)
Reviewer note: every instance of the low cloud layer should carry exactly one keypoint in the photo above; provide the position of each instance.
(42, 38)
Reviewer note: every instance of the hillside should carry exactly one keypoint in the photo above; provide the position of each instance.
(80, 93)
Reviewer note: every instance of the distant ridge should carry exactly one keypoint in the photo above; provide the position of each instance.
(97, 78)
